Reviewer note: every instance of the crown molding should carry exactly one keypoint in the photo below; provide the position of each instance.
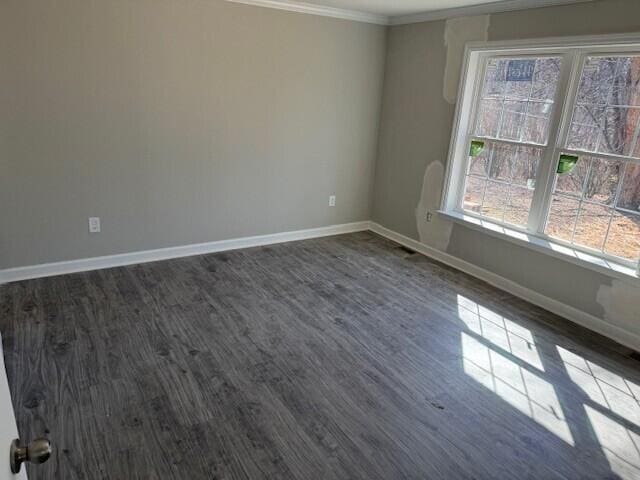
(321, 10)
(357, 16)
(483, 9)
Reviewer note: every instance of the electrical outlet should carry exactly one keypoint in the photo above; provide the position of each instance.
(94, 224)
(429, 216)
(332, 201)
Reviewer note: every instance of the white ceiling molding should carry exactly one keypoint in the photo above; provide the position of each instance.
(321, 10)
(358, 16)
(483, 9)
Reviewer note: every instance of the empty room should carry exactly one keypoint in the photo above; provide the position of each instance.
(330, 239)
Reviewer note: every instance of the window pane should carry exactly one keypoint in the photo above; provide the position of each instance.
(586, 198)
(625, 85)
(514, 164)
(502, 162)
(495, 200)
(517, 98)
(517, 88)
(495, 79)
(545, 79)
(562, 217)
(525, 166)
(474, 191)
(518, 206)
(511, 171)
(478, 165)
(512, 119)
(607, 115)
(536, 122)
(596, 81)
(489, 117)
(624, 236)
(620, 130)
(585, 129)
(603, 181)
(572, 183)
(592, 226)
(630, 191)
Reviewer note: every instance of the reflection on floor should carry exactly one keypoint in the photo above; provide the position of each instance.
(333, 358)
(502, 356)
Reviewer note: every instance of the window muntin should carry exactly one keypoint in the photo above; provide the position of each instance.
(606, 116)
(585, 207)
(499, 183)
(517, 106)
(596, 206)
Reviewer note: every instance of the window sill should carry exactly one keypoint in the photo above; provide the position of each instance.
(562, 252)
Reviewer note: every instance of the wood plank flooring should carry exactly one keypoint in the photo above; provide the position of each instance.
(338, 358)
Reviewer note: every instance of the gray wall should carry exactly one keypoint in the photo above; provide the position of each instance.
(186, 121)
(178, 122)
(415, 131)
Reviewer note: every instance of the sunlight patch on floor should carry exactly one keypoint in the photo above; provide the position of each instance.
(617, 395)
(500, 331)
(610, 390)
(502, 356)
(524, 390)
(619, 444)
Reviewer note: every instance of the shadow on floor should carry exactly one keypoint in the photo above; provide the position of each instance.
(590, 408)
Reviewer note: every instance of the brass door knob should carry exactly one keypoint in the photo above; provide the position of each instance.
(37, 451)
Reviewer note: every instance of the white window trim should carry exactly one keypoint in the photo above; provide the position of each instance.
(470, 88)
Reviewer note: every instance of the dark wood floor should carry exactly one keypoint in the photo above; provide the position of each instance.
(344, 357)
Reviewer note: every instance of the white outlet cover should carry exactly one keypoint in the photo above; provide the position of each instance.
(332, 201)
(94, 224)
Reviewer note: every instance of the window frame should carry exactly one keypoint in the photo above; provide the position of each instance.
(574, 52)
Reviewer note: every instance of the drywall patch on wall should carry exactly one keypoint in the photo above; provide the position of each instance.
(621, 303)
(457, 32)
(433, 229)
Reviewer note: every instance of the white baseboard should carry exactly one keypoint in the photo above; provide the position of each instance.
(97, 263)
(584, 319)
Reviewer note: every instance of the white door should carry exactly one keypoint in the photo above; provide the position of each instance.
(8, 427)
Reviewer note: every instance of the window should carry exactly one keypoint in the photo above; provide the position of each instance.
(547, 142)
